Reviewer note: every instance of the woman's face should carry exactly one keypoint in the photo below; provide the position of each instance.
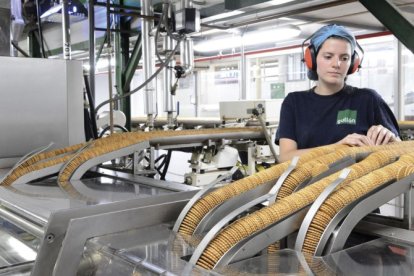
(333, 61)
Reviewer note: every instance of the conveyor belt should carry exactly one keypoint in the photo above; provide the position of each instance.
(355, 190)
(251, 225)
(312, 166)
(229, 192)
(70, 163)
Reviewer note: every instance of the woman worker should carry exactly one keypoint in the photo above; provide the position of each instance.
(332, 111)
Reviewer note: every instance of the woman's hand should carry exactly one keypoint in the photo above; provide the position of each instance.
(380, 135)
(356, 139)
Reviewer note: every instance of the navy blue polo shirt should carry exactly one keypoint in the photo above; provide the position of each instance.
(314, 120)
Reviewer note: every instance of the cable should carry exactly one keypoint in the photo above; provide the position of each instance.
(19, 49)
(164, 64)
(91, 108)
(162, 19)
(167, 160)
(179, 38)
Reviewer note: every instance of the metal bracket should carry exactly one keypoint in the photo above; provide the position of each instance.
(197, 196)
(315, 207)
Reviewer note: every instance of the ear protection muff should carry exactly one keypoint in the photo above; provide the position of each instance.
(356, 59)
(309, 57)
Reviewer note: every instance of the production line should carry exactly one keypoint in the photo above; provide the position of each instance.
(90, 192)
(214, 229)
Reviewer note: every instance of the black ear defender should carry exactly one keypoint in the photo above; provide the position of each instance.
(309, 58)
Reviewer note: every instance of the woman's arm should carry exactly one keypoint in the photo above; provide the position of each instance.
(288, 149)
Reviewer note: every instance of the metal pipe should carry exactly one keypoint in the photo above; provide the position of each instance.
(243, 72)
(268, 138)
(169, 95)
(187, 55)
(257, 19)
(22, 223)
(198, 138)
(108, 35)
(66, 30)
(91, 16)
(148, 50)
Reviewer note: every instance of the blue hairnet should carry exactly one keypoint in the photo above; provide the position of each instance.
(328, 31)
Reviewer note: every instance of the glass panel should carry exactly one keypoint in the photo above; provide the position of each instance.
(378, 257)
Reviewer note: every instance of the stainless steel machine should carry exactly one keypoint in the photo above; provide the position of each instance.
(116, 223)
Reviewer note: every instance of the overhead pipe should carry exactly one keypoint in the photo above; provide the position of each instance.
(169, 91)
(66, 30)
(148, 50)
(91, 17)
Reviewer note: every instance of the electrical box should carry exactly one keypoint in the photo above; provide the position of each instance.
(187, 21)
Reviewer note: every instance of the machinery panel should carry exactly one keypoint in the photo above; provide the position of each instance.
(46, 107)
(243, 109)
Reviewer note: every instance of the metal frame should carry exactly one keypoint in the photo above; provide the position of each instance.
(68, 230)
(336, 234)
(197, 196)
(315, 208)
(81, 170)
(228, 210)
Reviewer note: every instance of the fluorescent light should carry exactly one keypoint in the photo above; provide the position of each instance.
(221, 16)
(248, 39)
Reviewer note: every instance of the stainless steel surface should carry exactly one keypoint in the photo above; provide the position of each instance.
(255, 243)
(268, 138)
(81, 229)
(28, 226)
(282, 262)
(91, 25)
(84, 167)
(148, 51)
(99, 196)
(276, 188)
(205, 137)
(169, 99)
(66, 30)
(47, 106)
(197, 196)
(33, 175)
(378, 257)
(315, 207)
(221, 224)
(360, 209)
(333, 168)
(13, 251)
(409, 208)
(146, 250)
(220, 211)
(390, 233)
(167, 185)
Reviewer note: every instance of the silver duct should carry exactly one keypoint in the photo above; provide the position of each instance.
(66, 30)
(169, 93)
(148, 51)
